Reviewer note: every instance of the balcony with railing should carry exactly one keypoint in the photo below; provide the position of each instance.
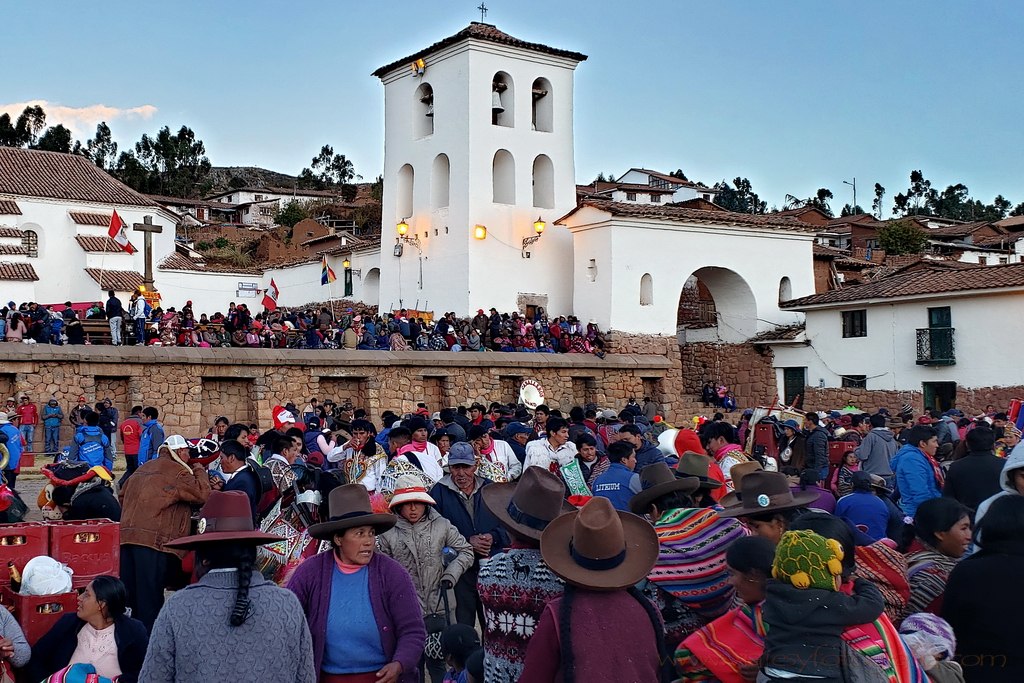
(935, 346)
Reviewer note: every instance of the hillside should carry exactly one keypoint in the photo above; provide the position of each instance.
(228, 177)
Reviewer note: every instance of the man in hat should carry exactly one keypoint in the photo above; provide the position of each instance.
(498, 455)
(77, 414)
(766, 504)
(11, 438)
(233, 603)
(517, 435)
(459, 499)
(690, 582)
(156, 508)
(514, 585)
(477, 416)
(53, 415)
(710, 488)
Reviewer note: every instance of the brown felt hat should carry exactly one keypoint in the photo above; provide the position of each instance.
(763, 492)
(225, 518)
(696, 465)
(655, 481)
(738, 471)
(600, 548)
(349, 507)
(528, 505)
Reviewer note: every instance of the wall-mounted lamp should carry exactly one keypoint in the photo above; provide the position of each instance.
(402, 227)
(538, 228)
(347, 265)
(403, 236)
(418, 67)
(480, 232)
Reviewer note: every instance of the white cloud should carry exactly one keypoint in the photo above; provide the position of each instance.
(81, 121)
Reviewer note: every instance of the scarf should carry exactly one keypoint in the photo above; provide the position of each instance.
(418, 446)
(716, 651)
(936, 469)
(409, 451)
(927, 573)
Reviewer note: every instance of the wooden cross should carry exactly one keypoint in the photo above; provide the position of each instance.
(147, 227)
(483, 11)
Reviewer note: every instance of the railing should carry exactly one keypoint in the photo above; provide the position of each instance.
(935, 346)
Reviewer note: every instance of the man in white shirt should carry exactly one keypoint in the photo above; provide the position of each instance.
(554, 451)
(494, 455)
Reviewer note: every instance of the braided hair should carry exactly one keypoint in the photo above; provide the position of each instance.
(234, 556)
(667, 672)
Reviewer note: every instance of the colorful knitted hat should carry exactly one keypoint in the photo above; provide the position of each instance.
(807, 560)
(937, 631)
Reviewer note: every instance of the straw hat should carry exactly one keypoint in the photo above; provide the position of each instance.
(656, 480)
(599, 548)
(349, 506)
(528, 505)
(226, 517)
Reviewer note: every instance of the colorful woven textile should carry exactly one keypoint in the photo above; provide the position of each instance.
(884, 566)
(927, 573)
(716, 651)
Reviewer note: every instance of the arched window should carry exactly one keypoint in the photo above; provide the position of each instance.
(405, 186)
(30, 241)
(785, 289)
(440, 178)
(503, 97)
(647, 290)
(543, 183)
(543, 106)
(503, 177)
(423, 111)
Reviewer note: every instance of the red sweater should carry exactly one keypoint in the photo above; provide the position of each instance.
(28, 413)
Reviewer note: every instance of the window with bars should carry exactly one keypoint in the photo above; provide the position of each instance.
(855, 323)
(30, 241)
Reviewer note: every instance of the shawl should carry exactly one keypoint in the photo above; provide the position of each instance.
(884, 566)
(691, 559)
(927, 573)
(716, 651)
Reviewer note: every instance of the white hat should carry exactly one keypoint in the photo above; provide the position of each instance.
(436, 416)
(410, 489)
(285, 416)
(174, 442)
(4, 419)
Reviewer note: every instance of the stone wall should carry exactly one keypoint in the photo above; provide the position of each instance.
(665, 388)
(191, 387)
(745, 368)
(970, 401)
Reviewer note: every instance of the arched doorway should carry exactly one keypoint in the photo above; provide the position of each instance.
(371, 287)
(716, 305)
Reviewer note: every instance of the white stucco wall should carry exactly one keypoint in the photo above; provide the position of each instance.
(987, 327)
(460, 273)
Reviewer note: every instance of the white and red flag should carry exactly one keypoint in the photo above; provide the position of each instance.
(270, 296)
(118, 234)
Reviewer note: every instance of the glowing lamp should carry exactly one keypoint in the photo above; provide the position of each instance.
(480, 232)
(402, 227)
(346, 264)
(539, 225)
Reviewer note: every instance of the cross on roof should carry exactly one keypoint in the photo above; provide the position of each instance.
(483, 11)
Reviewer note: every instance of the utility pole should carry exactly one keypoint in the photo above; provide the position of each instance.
(854, 186)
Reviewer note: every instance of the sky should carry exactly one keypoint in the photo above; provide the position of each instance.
(794, 95)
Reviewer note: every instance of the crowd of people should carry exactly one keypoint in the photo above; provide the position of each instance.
(597, 545)
(301, 328)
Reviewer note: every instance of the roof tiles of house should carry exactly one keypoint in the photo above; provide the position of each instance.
(117, 280)
(962, 230)
(18, 271)
(674, 180)
(840, 256)
(479, 31)
(787, 333)
(924, 280)
(690, 215)
(179, 261)
(852, 218)
(13, 250)
(93, 243)
(53, 175)
(85, 218)
(632, 187)
(7, 231)
(9, 207)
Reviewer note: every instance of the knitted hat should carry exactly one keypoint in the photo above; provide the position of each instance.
(938, 631)
(808, 560)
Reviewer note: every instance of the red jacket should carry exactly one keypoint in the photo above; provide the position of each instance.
(28, 413)
(131, 432)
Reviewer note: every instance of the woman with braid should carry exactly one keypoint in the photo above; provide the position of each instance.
(601, 630)
(232, 625)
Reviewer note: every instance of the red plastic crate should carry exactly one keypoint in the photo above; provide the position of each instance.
(90, 547)
(837, 450)
(19, 543)
(38, 613)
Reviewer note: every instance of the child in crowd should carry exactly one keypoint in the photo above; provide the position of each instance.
(805, 613)
(458, 642)
(841, 481)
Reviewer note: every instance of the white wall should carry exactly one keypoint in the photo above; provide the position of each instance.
(985, 343)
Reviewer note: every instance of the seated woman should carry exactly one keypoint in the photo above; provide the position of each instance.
(99, 634)
(942, 530)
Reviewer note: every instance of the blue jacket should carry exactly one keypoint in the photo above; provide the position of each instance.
(13, 444)
(864, 507)
(450, 506)
(52, 415)
(104, 458)
(816, 451)
(915, 478)
(245, 480)
(618, 484)
(149, 442)
(647, 454)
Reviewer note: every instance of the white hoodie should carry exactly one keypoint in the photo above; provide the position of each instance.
(1014, 461)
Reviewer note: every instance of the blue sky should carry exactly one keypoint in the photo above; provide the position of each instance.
(792, 95)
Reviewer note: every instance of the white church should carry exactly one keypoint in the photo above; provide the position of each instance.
(480, 209)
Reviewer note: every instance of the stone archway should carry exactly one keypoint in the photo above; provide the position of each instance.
(371, 287)
(716, 305)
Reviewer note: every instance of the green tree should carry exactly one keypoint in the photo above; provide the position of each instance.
(1018, 210)
(55, 139)
(901, 237)
(739, 197)
(101, 148)
(24, 131)
(852, 210)
(291, 213)
(678, 173)
(130, 171)
(818, 201)
(876, 205)
(327, 170)
(175, 163)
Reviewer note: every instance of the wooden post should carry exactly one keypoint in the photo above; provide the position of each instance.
(148, 229)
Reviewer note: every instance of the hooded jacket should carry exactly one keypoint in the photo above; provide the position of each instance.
(89, 434)
(876, 451)
(52, 415)
(1014, 461)
(915, 478)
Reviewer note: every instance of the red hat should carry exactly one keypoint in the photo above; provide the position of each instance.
(479, 311)
(924, 420)
(687, 440)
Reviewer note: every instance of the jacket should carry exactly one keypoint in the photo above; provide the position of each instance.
(450, 505)
(648, 454)
(52, 415)
(93, 502)
(816, 450)
(1014, 461)
(867, 509)
(398, 615)
(418, 547)
(248, 482)
(86, 435)
(13, 444)
(53, 651)
(150, 440)
(157, 502)
(618, 484)
(974, 478)
(114, 309)
(131, 435)
(876, 450)
(915, 478)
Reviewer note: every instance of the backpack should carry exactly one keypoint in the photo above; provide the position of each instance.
(269, 494)
(92, 448)
(146, 308)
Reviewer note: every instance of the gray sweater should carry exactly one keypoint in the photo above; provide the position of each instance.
(193, 642)
(9, 628)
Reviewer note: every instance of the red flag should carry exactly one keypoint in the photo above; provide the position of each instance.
(270, 296)
(118, 234)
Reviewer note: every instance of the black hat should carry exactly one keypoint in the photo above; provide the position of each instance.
(415, 422)
(476, 431)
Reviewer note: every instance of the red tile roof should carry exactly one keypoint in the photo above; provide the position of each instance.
(83, 218)
(478, 31)
(633, 187)
(962, 230)
(9, 207)
(97, 244)
(13, 250)
(179, 261)
(18, 271)
(924, 280)
(840, 256)
(800, 211)
(54, 175)
(779, 334)
(680, 213)
(674, 180)
(7, 231)
(118, 280)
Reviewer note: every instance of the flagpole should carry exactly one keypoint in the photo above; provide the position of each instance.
(330, 289)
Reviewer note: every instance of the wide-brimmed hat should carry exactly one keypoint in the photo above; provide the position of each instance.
(696, 465)
(349, 506)
(226, 517)
(4, 419)
(600, 548)
(656, 480)
(410, 489)
(792, 424)
(528, 505)
(763, 492)
(738, 471)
